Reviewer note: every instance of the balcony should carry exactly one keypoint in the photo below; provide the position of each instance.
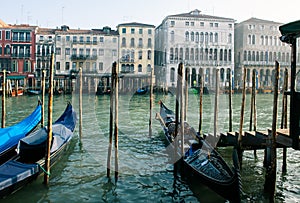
(21, 55)
(75, 57)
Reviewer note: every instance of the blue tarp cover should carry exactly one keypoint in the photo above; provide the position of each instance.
(10, 136)
(13, 172)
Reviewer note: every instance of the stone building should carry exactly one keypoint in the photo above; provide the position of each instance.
(257, 46)
(197, 40)
(136, 51)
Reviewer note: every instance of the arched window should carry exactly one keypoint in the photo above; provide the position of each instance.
(253, 39)
(196, 54)
(225, 55)
(123, 42)
(249, 56)
(221, 54)
(216, 37)
(230, 38)
(229, 55)
(192, 36)
(216, 54)
(181, 54)
(171, 54)
(149, 68)
(140, 42)
(149, 54)
(257, 56)
(187, 54)
(197, 36)
(132, 42)
(172, 36)
(262, 40)
(245, 55)
(249, 39)
(206, 38)
(187, 36)
(7, 49)
(140, 68)
(176, 53)
(192, 54)
(261, 56)
(172, 75)
(211, 37)
(201, 54)
(253, 55)
(201, 37)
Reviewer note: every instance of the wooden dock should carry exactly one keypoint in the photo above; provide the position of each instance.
(251, 140)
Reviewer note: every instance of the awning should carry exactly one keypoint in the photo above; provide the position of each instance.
(15, 77)
(290, 31)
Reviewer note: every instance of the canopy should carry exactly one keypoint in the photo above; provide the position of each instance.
(290, 31)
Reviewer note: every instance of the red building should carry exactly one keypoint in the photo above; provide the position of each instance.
(17, 52)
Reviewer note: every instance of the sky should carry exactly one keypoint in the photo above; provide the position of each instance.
(88, 14)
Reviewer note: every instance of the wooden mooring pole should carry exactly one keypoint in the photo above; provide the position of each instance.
(216, 105)
(3, 99)
(239, 147)
(284, 116)
(200, 100)
(270, 180)
(49, 137)
(116, 124)
(111, 117)
(80, 103)
(253, 106)
(43, 97)
(230, 101)
(151, 103)
(186, 91)
(183, 108)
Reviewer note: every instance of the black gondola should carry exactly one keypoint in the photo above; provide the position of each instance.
(30, 161)
(201, 161)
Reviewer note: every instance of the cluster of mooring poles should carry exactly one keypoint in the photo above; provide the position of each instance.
(239, 142)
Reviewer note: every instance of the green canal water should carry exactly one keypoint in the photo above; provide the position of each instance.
(145, 173)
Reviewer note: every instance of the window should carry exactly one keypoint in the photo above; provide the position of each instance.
(230, 38)
(27, 66)
(81, 52)
(132, 42)
(140, 55)
(88, 52)
(211, 37)
(132, 30)
(88, 39)
(74, 64)
(81, 39)
(172, 23)
(0, 50)
(101, 66)
(74, 38)
(172, 36)
(124, 30)
(94, 52)
(14, 66)
(216, 37)
(149, 32)
(7, 35)
(27, 37)
(88, 66)
(67, 51)
(114, 52)
(149, 68)
(192, 36)
(101, 39)
(172, 75)
(101, 52)
(192, 23)
(140, 31)
(94, 40)
(74, 51)
(94, 67)
(7, 49)
(67, 38)
(202, 24)
(230, 25)
(211, 24)
(123, 42)
(140, 68)
(0, 34)
(149, 43)
(187, 23)
(187, 36)
(57, 65)
(58, 38)
(140, 42)
(216, 24)
(67, 65)
(58, 51)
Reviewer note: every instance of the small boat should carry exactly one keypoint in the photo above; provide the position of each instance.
(10, 136)
(30, 161)
(201, 161)
(33, 92)
(142, 90)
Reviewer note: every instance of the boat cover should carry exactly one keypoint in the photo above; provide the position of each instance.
(10, 136)
(13, 172)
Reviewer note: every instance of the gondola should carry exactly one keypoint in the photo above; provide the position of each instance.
(141, 91)
(10, 136)
(34, 92)
(30, 161)
(201, 161)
